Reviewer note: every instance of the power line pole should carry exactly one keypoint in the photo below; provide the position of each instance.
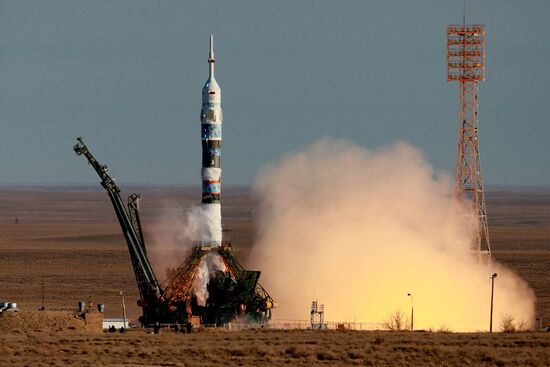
(492, 293)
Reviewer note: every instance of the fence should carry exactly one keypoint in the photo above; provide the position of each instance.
(306, 324)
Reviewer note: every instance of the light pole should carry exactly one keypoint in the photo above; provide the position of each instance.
(412, 311)
(123, 310)
(492, 293)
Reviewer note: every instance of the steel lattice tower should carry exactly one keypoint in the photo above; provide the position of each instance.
(466, 64)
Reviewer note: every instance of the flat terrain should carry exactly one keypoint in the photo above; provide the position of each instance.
(275, 348)
(59, 245)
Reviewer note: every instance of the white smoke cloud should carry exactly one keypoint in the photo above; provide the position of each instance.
(175, 233)
(359, 229)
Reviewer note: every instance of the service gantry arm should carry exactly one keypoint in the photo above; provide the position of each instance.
(133, 210)
(148, 284)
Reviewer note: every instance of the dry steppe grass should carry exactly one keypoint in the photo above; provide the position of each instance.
(275, 348)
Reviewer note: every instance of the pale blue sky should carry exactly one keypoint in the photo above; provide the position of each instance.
(127, 76)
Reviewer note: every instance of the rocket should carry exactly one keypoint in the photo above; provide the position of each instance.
(211, 135)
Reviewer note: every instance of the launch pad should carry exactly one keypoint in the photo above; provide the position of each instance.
(233, 293)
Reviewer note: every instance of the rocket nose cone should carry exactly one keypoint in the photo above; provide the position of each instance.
(211, 85)
(211, 91)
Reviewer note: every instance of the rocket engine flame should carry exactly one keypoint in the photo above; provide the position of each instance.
(360, 229)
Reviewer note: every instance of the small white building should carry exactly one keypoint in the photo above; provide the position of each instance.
(117, 323)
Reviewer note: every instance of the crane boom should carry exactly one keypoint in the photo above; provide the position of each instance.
(133, 210)
(148, 284)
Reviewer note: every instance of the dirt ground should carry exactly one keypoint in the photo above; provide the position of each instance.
(59, 245)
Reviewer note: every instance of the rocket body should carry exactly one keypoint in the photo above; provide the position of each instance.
(211, 139)
(211, 135)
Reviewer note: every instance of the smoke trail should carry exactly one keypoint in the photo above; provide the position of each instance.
(359, 229)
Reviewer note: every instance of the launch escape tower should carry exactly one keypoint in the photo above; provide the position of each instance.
(466, 65)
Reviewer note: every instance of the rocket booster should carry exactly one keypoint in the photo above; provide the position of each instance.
(211, 135)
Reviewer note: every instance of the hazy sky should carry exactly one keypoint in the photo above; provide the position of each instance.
(127, 76)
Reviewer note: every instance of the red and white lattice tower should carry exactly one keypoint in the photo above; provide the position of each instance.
(466, 65)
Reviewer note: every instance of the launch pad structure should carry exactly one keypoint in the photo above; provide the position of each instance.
(466, 65)
(232, 294)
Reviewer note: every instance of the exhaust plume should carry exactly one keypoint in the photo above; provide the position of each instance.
(359, 229)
